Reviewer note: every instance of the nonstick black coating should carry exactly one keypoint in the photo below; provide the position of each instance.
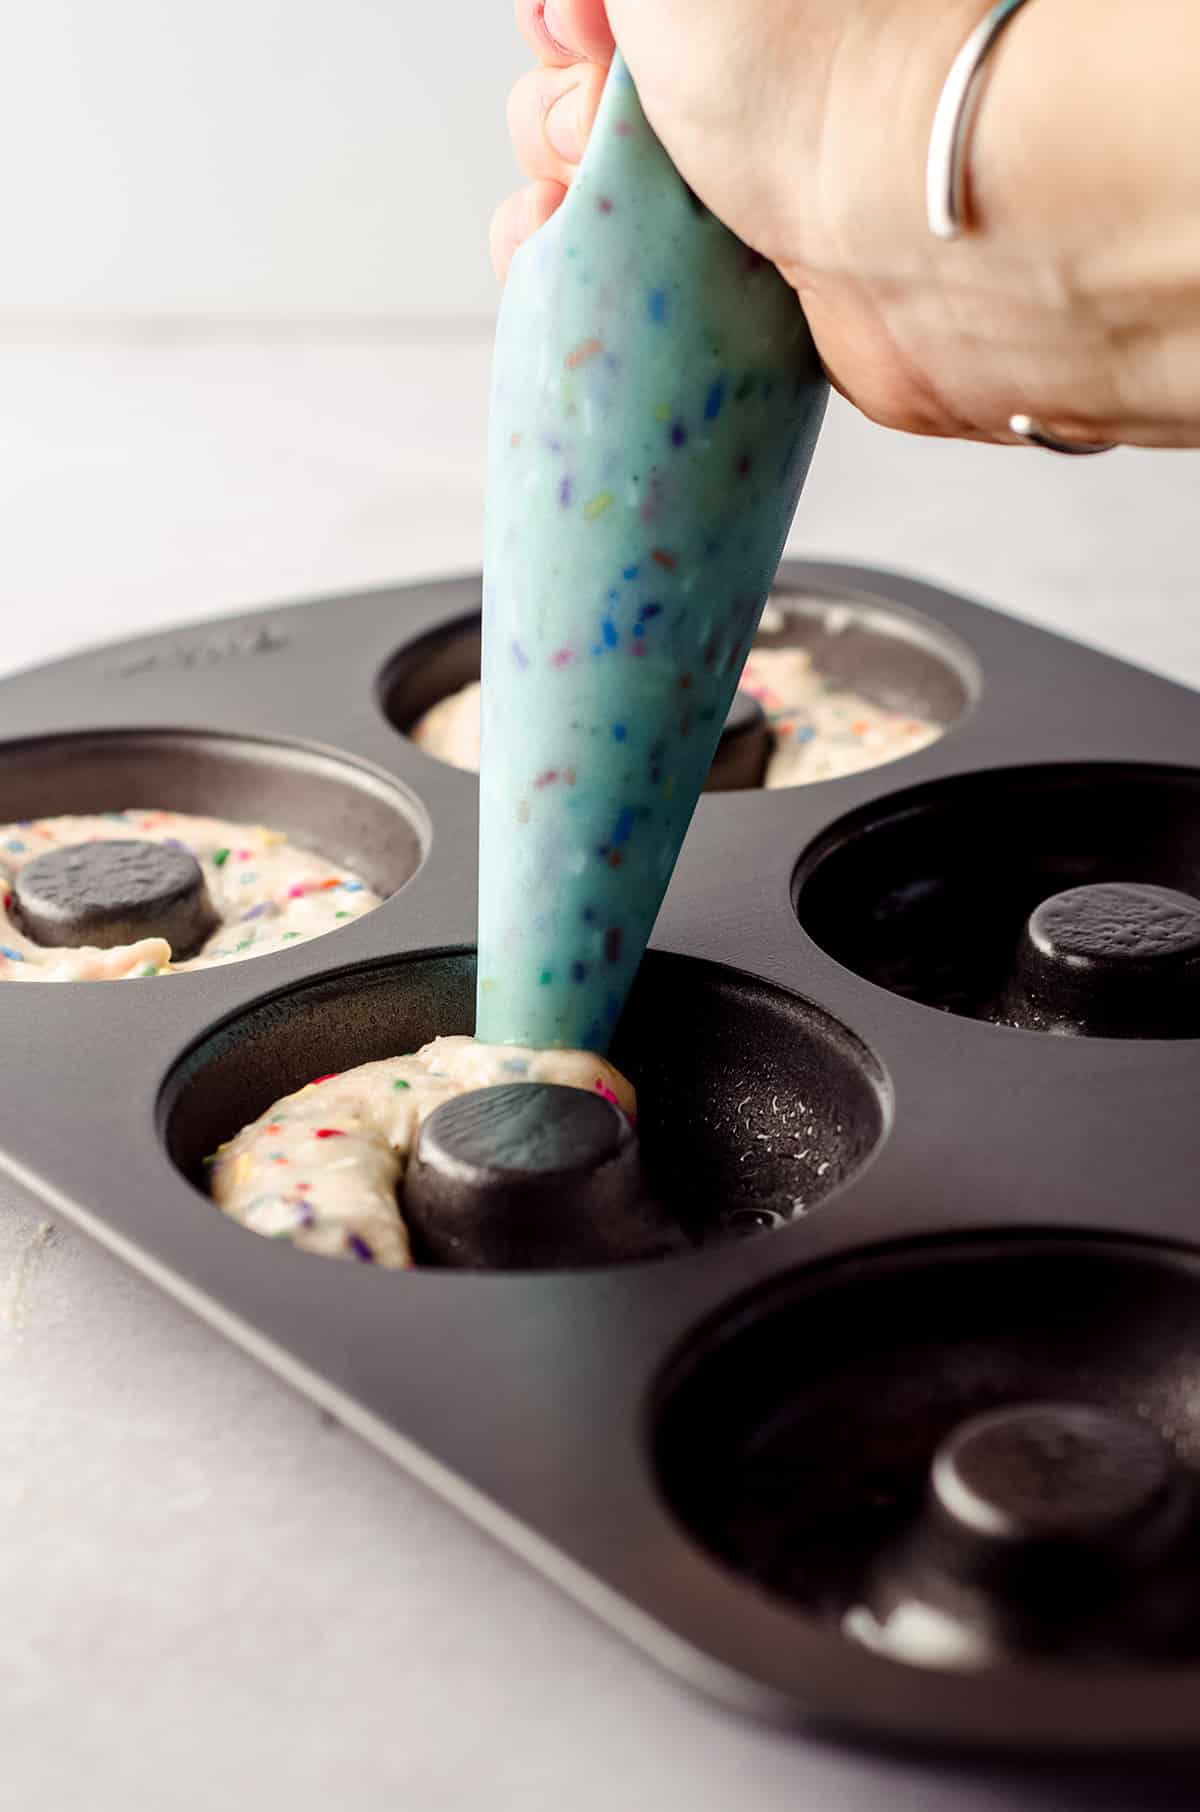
(345, 813)
(807, 1491)
(927, 892)
(737, 1079)
(533, 1401)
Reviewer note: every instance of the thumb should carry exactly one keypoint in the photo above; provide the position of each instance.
(566, 31)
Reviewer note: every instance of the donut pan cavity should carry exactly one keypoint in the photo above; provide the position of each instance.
(995, 1209)
(765, 1109)
(892, 657)
(349, 813)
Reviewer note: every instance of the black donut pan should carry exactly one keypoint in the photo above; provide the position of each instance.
(537, 1403)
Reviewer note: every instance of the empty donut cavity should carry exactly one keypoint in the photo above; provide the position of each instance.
(954, 1454)
(1060, 899)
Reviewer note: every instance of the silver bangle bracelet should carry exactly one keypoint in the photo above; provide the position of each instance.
(946, 180)
(949, 141)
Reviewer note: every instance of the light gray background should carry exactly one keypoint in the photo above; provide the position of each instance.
(264, 159)
(210, 1596)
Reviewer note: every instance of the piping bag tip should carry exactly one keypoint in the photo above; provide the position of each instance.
(656, 400)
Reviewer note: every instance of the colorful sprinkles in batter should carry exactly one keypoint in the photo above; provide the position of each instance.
(324, 1168)
(820, 729)
(655, 403)
(267, 891)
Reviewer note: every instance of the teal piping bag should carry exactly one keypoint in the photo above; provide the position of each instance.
(656, 400)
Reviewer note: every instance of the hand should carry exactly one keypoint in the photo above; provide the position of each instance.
(804, 124)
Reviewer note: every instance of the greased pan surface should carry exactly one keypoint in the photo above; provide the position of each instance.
(550, 1407)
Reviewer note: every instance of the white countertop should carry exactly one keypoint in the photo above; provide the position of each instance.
(211, 1595)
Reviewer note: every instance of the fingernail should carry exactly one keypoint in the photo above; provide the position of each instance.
(562, 126)
(553, 22)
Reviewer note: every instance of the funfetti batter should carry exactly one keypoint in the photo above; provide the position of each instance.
(449, 730)
(323, 1167)
(656, 399)
(820, 730)
(269, 893)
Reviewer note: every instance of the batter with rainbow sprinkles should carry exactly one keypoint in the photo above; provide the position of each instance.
(265, 891)
(655, 404)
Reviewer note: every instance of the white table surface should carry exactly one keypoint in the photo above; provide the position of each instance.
(211, 1596)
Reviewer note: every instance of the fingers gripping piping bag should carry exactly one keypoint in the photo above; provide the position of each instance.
(656, 399)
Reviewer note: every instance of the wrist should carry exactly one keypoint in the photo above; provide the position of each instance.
(1079, 192)
(928, 326)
